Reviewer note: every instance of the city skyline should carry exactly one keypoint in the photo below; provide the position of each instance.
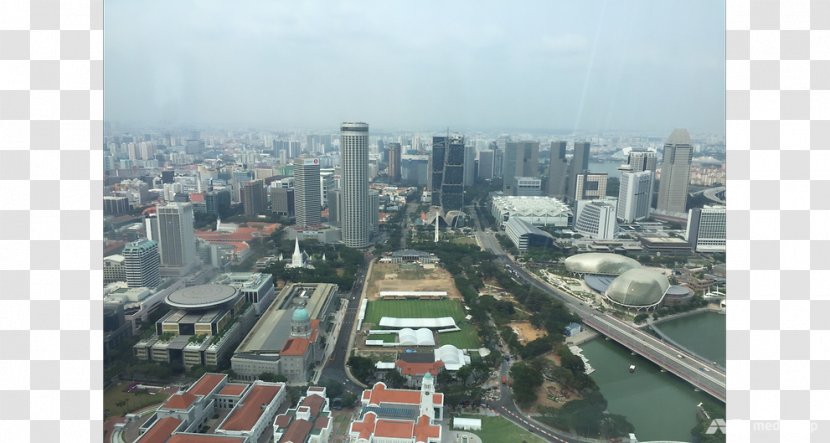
(605, 67)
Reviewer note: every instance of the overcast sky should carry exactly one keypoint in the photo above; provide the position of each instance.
(640, 65)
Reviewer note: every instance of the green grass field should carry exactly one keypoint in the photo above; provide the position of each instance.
(413, 309)
(117, 402)
(466, 338)
(387, 338)
(498, 429)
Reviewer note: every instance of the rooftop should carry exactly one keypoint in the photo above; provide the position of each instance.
(202, 296)
(160, 431)
(249, 410)
(206, 384)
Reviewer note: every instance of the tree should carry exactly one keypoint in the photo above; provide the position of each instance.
(526, 380)
(362, 367)
(394, 379)
(272, 378)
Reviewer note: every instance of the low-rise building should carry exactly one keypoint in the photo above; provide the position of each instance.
(182, 417)
(524, 234)
(399, 415)
(538, 211)
(309, 422)
(287, 338)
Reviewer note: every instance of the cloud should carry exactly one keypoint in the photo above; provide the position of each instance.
(565, 43)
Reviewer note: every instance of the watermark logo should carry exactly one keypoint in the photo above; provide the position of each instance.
(717, 424)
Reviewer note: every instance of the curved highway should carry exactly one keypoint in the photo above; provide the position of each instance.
(703, 375)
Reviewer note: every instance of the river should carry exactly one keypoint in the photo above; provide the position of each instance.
(658, 404)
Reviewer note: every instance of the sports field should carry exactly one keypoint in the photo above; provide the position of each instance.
(466, 338)
(413, 309)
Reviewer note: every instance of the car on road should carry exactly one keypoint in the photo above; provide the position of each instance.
(679, 355)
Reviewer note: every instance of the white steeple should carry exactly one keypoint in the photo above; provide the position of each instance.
(297, 259)
(427, 393)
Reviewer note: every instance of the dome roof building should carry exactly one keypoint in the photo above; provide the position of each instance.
(600, 263)
(638, 288)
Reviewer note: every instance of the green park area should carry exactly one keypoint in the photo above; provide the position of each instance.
(466, 338)
(118, 402)
(500, 429)
(413, 309)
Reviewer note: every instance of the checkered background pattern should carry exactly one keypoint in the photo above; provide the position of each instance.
(777, 108)
(778, 220)
(51, 220)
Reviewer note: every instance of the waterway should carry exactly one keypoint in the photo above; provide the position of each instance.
(608, 166)
(660, 405)
(704, 334)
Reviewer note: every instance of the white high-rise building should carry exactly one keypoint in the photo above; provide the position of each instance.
(307, 192)
(177, 244)
(354, 158)
(674, 173)
(596, 219)
(706, 229)
(635, 196)
(374, 205)
(141, 264)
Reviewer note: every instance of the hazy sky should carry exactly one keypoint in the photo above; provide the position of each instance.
(568, 65)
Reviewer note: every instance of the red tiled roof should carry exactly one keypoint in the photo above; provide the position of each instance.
(197, 197)
(246, 413)
(295, 347)
(424, 431)
(299, 346)
(282, 420)
(206, 384)
(438, 399)
(365, 427)
(297, 432)
(315, 404)
(160, 431)
(380, 394)
(394, 428)
(180, 401)
(204, 438)
(419, 369)
(321, 422)
(235, 389)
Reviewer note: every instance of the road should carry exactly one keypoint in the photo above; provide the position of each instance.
(335, 368)
(703, 375)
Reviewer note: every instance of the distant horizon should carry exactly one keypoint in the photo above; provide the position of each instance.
(529, 67)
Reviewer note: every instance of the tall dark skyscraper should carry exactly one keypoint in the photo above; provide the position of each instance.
(558, 170)
(448, 172)
(354, 157)
(674, 173)
(521, 159)
(254, 199)
(579, 164)
(394, 162)
(307, 192)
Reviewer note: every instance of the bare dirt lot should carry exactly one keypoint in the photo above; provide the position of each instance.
(526, 331)
(394, 277)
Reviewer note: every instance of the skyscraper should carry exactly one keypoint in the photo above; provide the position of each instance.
(394, 162)
(579, 164)
(674, 173)
(374, 204)
(253, 196)
(177, 243)
(706, 229)
(354, 158)
(141, 264)
(558, 170)
(307, 192)
(596, 219)
(218, 202)
(448, 172)
(590, 186)
(521, 159)
(635, 196)
(485, 164)
(469, 165)
(335, 199)
(282, 201)
(644, 160)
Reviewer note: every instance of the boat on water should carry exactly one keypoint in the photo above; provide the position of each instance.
(631, 368)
